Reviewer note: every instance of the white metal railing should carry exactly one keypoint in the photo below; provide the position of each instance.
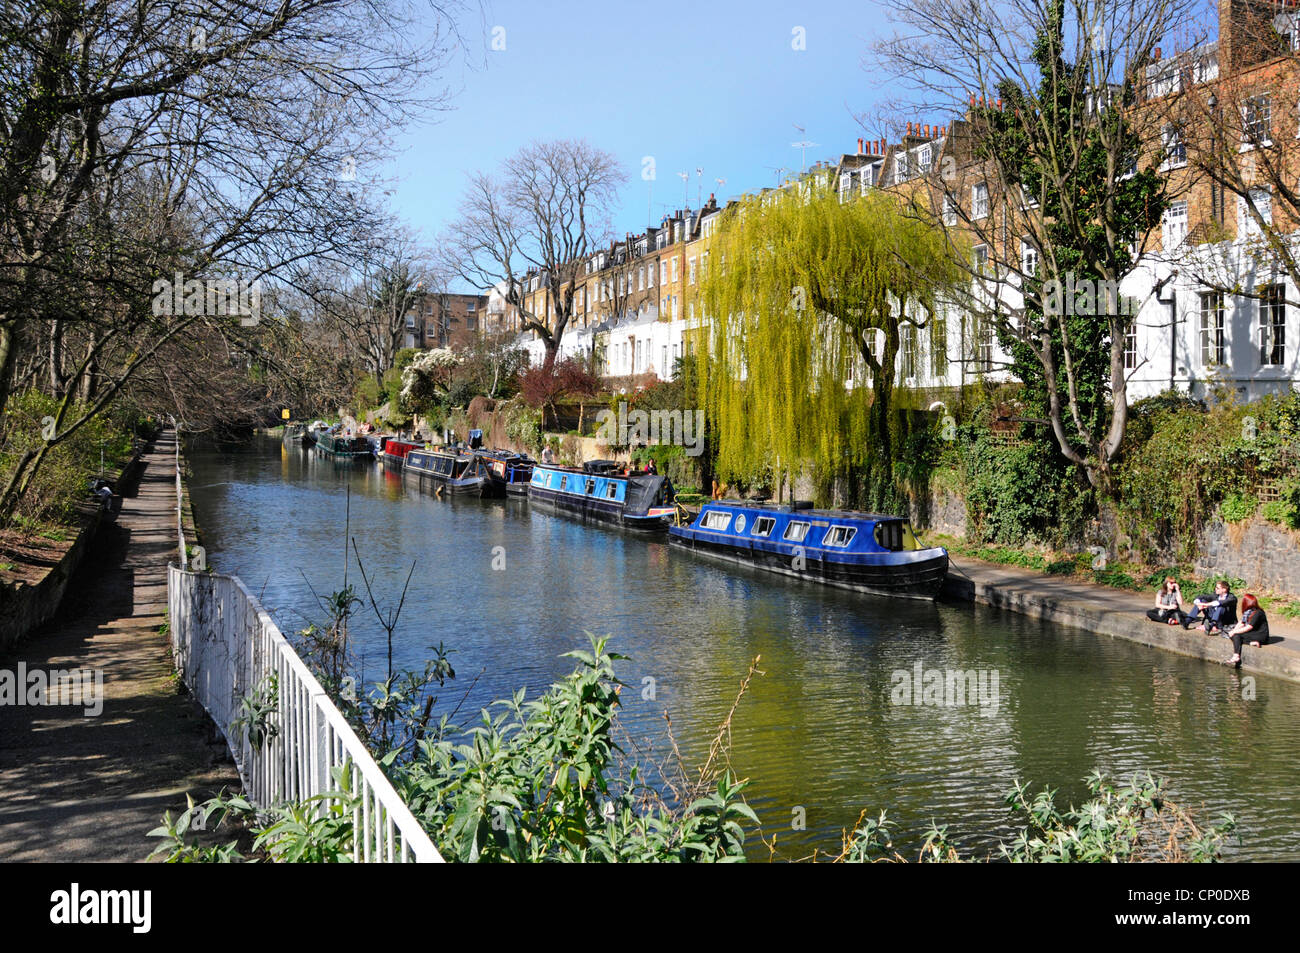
(225, 646)
(180, 490)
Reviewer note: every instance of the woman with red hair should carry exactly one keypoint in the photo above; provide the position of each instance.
(1253, 624)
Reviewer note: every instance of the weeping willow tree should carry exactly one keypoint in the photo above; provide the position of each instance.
(805, 299)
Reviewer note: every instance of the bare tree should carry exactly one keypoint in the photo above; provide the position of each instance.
(537, 220)
(211, 142)
(1043, 179)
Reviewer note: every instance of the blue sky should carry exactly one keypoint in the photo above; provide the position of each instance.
(714, 85)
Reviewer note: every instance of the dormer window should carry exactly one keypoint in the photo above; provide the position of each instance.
(900, 167)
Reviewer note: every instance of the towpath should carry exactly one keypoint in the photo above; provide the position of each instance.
(1116, 613)
(81, 788)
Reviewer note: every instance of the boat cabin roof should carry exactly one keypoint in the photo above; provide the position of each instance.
(802, 508)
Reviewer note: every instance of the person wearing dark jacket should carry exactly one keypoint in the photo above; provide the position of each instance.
(1217, 612)
(1253, 626)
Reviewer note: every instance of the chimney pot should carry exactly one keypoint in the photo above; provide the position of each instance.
(1158, 48)
(859, 145)
(909, 128)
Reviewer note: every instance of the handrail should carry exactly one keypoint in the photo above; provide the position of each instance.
(180, 518)
(226, 646)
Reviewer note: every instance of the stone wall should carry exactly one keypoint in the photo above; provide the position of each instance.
(1264, 554)
(945, 513)
(24, 608)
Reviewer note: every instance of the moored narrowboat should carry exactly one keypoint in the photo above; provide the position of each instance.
(869, 552)
(509, 473)
(298, 434)
(600, 492)
(395, 452)
(450, 471)
(342, 446)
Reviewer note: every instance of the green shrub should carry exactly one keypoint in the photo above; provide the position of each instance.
(63, 478)
(1237, 507)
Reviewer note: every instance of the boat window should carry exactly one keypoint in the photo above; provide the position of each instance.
(611, 491)
(839, 536)
(795, 532)
(740, 523)
(591, 487)
(763, 526)
(717, 520)
(890, 535)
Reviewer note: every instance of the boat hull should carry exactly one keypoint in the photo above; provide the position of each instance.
(343, 448)
(915, 575)
(595, 510)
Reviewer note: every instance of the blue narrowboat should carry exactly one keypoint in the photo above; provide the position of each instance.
(869, 552)
(598, 491)
(510, 473)
(451, 471)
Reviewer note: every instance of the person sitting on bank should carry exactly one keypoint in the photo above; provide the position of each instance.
(1217, 612)
(1253, 626)
(1169, 604)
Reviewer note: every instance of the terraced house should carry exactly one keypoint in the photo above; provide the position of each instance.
(1213, 295)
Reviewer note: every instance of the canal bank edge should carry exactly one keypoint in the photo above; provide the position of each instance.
(25, 608)
(1112, 612)
(188, 527)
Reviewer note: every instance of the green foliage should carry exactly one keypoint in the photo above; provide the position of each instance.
(1237, 507)
(1022, 491)
(1184, 461)
(672, 461)
(257, 712)
(208, 816)
(523, 425)
(63, 479)
(1086, 234)
(317, 830)
(1118, 824)
(535, 781)
(797, 288)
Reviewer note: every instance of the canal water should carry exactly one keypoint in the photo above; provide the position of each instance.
(821, 733)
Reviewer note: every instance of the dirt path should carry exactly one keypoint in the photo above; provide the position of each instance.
(78, 788)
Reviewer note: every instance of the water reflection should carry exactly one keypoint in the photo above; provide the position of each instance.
(817, 731)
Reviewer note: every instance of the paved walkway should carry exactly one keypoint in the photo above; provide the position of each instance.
(1114, 613)
(77, 788)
